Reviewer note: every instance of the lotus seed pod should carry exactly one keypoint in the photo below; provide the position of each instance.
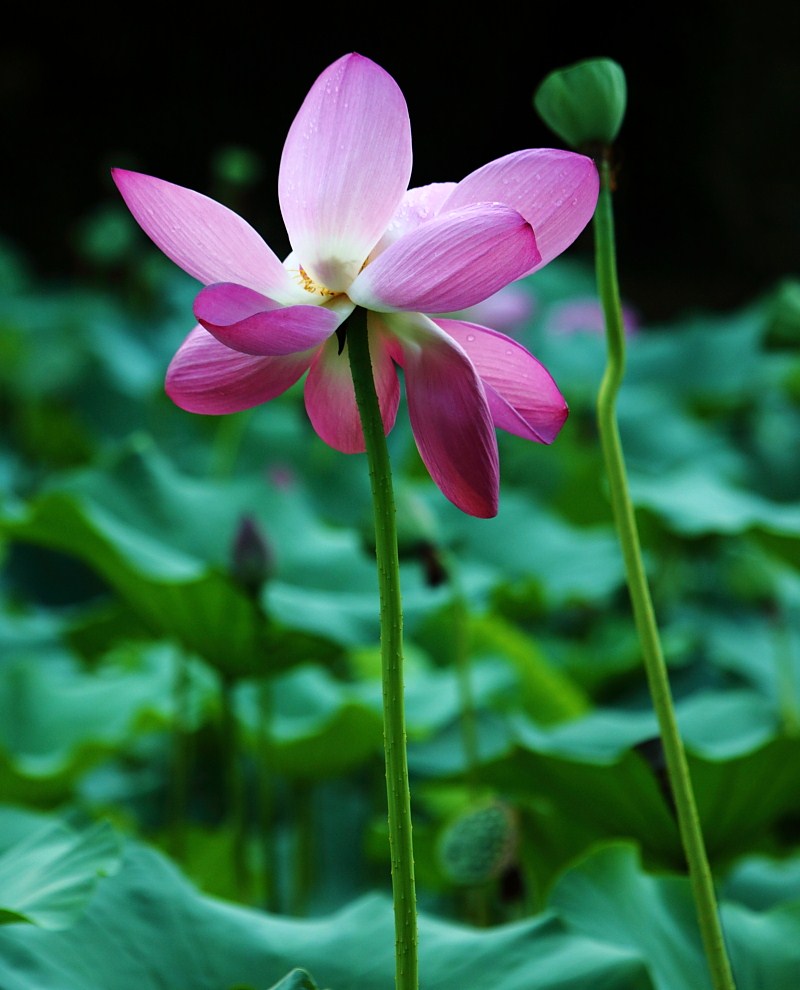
(479, 844)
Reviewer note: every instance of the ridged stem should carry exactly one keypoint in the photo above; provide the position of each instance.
(391, 622)
(655, 667)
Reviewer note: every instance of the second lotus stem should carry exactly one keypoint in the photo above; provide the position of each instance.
(655, 667)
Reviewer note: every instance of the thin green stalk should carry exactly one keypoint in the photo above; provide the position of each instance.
(303, 856)
(784, 658)
(469, 722)
(181, 757)
(266, 798)
(655, 667)
(235, 786)
(461, 647)
(227, 443)
(391, 613)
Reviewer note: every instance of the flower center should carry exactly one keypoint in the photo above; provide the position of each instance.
(310, 285)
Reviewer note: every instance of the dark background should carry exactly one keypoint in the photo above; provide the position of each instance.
(708, 202)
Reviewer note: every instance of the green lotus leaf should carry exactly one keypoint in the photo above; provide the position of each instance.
(602, 776)
(694, 502)
(724, 350)
(57, 720)
(316, 726)
(527, 541)
(546, 692)
(48, 878)
(609, 898)
(163, 540)
(763, 882)
(147, 928)
(298, 979)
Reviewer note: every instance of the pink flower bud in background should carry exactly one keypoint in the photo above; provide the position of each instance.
(586, 316)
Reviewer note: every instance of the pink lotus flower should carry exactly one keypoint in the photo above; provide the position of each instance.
(360, 237)
(586, 316)
(509, 310)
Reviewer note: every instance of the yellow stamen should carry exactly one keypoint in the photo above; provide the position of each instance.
(310, 285)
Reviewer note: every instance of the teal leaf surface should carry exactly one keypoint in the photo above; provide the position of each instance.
(147, 929)
(48, 878)
(607, 897)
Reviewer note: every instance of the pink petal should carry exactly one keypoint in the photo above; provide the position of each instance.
(456, 260)
(204, 238)
(449, 415)
(523, 398)
(556, 191)
(330, 396)
(507, 310)
(585, 315)
(207, 377)
(418, 206)
(255, 324)
(345, 165)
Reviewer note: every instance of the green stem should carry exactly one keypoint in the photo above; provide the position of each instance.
(469, 726)
(303, 856)
(461, 648)
(655, 667)
(227, 443)
(266, 797)
(787, 687)
(179, 778)
(394, 730)
(235, 787)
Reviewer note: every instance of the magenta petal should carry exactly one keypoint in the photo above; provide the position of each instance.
(207, 377)
(450, 419)
(345, 166)
(252, 323)
(330, 396)
(523, 398)
(556, 191)
(204, 238)
(456, 260)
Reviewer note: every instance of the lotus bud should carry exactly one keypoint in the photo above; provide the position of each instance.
(584, 103)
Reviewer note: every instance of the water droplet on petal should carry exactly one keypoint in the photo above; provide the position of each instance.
(470, 337)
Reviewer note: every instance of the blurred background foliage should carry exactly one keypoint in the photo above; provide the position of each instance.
(190, 710)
